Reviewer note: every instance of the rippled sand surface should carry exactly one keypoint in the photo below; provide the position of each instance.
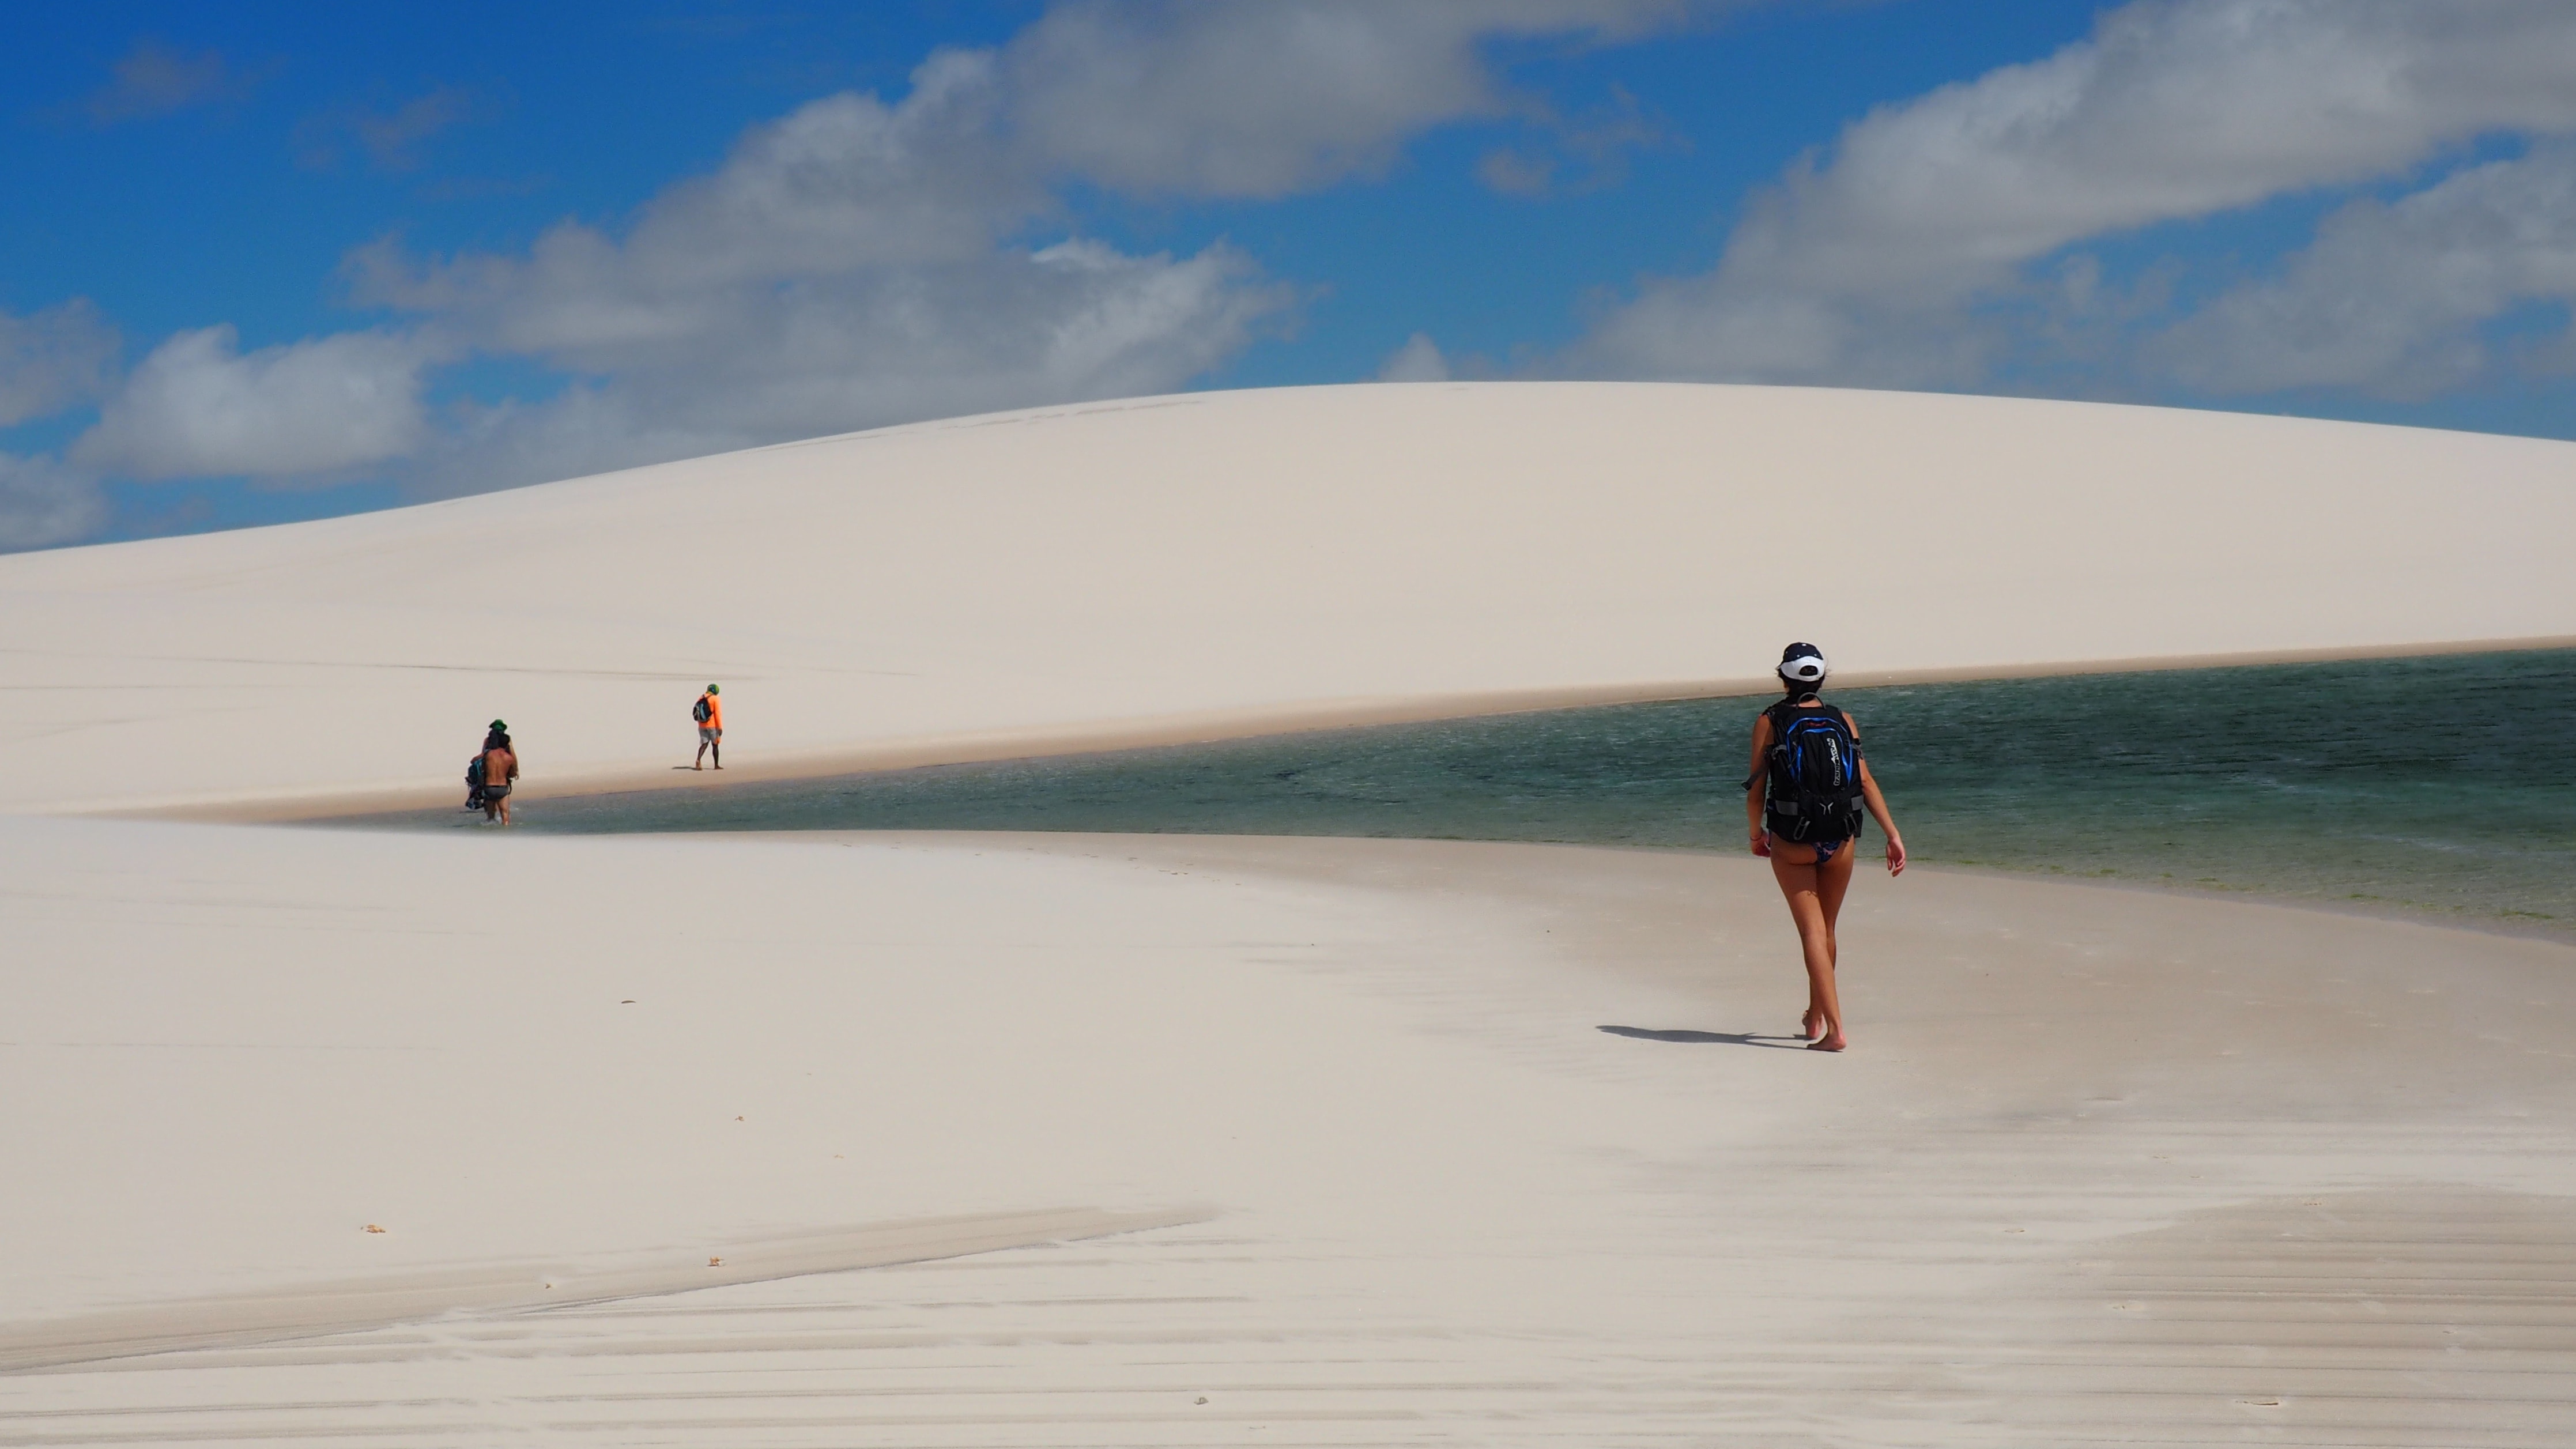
(1086, 1140)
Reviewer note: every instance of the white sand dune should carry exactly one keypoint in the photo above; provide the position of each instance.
(1227, 562)
(1435, 1143)
(988, 1141)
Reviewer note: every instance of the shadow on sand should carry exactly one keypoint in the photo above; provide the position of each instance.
(1727, 1038)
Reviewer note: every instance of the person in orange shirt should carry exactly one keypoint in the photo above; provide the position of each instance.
(709, 713)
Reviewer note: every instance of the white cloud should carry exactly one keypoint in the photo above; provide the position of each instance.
(1074, 321)
(861, 262)
(52, 359)
(1259, 98)
(1515, 172)
(198, 406)
(2390, 296)
(1580, 153)
(848, 266)
(390, 140)
(155, 79)
(841, 187)
(43, 503)
(1865, 266)
(1418, 360)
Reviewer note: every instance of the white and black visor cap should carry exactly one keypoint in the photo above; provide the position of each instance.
(1804, 668)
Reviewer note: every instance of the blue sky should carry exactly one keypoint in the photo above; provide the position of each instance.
(271, 261)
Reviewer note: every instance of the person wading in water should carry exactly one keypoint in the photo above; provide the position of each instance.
(474, 767)
(1802, 805)
(500, 768)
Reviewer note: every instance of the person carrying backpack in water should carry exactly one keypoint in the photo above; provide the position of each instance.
(709, 713)
(474, 767)
(1802, 805)
(500, 769)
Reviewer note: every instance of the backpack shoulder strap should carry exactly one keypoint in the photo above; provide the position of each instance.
(1771, 747)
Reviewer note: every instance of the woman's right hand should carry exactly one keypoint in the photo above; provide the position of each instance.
(1761, 842)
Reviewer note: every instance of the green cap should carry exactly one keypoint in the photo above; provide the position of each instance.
(502, 725)
(711, 689)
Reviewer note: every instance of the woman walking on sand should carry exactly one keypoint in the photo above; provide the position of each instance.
(1803, 805)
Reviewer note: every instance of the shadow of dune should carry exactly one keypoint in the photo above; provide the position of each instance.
(1728, 1038)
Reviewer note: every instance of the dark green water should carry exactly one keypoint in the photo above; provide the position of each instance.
(2443, 785)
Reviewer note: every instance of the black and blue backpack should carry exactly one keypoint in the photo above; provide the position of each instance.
(1814, 775)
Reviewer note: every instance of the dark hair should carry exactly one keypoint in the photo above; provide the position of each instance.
(496, 741)
(1797, 689)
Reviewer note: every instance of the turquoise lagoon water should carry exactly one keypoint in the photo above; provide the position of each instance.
(2444, 785)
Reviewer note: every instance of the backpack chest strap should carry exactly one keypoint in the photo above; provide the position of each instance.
(1836, 806)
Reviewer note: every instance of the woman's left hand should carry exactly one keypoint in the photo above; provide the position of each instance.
(1895, 855)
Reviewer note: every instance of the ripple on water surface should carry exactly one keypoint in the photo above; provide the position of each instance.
(2443, 784)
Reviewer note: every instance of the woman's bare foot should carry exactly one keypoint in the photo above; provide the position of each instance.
(1811, 1025)
(1833, 1043)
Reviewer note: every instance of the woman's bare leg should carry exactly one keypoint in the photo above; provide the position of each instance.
(1799, 883)
(1833, 882)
